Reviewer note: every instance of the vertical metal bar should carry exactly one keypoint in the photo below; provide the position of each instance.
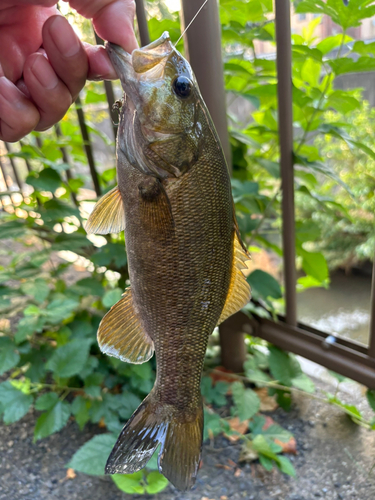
(3, 173)
(87, 146)
(65, 158)
(13, 164)
(371, 349)
(110, 95)
(284, 91)
(203, 49)
(142, 22)
(39, 142)
(28, 166)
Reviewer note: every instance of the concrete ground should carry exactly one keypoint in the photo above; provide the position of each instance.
(334, 461)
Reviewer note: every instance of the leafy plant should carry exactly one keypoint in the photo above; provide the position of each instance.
(57, 286)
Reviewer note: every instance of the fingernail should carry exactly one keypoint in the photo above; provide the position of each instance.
(65, 39)
(43, 72)
(9, 91)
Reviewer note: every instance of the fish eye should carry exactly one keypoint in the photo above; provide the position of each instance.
(182, 87)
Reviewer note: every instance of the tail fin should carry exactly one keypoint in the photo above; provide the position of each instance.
(149, 426)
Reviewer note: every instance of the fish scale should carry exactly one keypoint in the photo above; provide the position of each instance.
(185, 257)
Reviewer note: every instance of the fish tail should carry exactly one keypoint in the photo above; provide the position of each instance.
(151, 425)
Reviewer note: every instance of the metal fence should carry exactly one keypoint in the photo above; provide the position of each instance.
(203, 48)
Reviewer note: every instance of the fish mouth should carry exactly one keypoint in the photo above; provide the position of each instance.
(143, 66)
(150, 58)
(121, 60)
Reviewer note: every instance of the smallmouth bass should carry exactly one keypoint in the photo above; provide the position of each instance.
(185, 255)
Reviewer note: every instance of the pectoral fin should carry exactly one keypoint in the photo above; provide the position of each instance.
(121, 334)
(239, 289)
(108, 215)
(156, 216)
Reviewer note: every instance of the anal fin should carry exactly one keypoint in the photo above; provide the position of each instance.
(108, 215)
(239, 292)
(121, 334)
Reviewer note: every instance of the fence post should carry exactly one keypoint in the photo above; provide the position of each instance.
(87, 146)
(285, 110)
(142, 22)
(203, 49)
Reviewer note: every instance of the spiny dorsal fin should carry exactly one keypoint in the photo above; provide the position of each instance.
(108, 215)
(239, 292)
(121, 334)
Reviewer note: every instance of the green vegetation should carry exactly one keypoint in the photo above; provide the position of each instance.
(48, 348)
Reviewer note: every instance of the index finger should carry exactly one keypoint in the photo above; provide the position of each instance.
(113, 20)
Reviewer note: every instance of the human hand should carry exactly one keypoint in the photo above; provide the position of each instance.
(44, 65)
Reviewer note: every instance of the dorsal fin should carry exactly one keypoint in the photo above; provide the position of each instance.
(108, 215)
(121, 334)
(239, 292)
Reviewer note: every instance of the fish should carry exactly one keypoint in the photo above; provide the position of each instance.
(186, 260)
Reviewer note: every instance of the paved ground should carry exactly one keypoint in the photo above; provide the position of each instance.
(334, 462)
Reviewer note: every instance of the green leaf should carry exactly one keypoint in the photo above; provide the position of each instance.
(88, 286)
(111, 297)
(370, 395)
(353, 145)
(246, 401)
(80, 410)
(129, 483)
(364, 47)
(274, 431)
(342, 102)
(27, 326)
(69, 359)
(46, 401)
(38, 289)
(286, 466)
(345, 65)
(272, 167)
(152, 464)
(284, 366)
(52, 421)
(310, 72)
(317, 166)
(9, 357)
(345, 15)
(57, 210)
(265, 447)
(71, 241)
(155, 482)
(314, 264)
(266, 462)
(304, 383)
(60, 309)
(92, 456)
(332, 42)
(12, 229)
(212, 424)
(264, 285)
(128, 403)
(93, 97)
(111, 252)
(14, 402)
(46, 180)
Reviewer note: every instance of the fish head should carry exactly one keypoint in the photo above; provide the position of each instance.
(162, 102)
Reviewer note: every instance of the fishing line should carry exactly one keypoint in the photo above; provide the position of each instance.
(191, 22)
